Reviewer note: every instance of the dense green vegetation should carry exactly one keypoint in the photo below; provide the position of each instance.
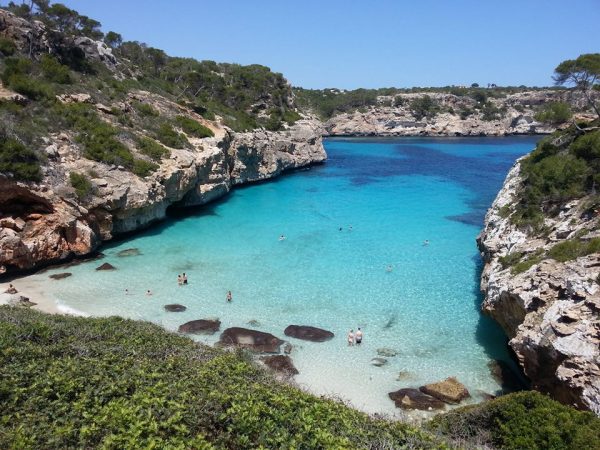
(245, 97)
(554, 113)
(69, 382)
(564, 166)
(524, 420)
(112, 383)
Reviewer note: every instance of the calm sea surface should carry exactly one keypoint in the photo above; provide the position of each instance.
(353, 257)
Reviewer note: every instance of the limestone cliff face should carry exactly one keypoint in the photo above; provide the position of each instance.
(550, 312)
(515, 116)
(46, 222)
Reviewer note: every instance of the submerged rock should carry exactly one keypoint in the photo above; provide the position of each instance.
(254, 323)
(60, 276)
(404, 375)
(449, 390)
(387, 352)
(201, 326)
(409, 398)
(287, 348)
(308, 333)
(280, 363)
(251, 339)
(175, 308)
(129, 252)
(106, 266)
(378, 362)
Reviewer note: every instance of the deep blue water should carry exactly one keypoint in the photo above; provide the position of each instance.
(388, 196)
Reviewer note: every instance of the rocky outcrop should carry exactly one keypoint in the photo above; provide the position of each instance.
(308, 333)
(200, 326)
(409, 398)
(449, 390)
(46, 223)
(256, 341)
(551, 310)
(456, 116)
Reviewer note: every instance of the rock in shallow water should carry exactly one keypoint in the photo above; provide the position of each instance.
(449, 390)
(378, 362)
(409, 398)
(106, 266)
(308, 333)
(60, 276)
(175, 308)
(280, 363)
(387, 352)
(201, 326)
(251, 339)
(129, 252)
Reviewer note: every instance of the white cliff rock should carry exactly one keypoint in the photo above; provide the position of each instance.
(551, 311)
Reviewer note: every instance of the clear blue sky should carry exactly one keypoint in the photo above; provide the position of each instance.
(370, 43)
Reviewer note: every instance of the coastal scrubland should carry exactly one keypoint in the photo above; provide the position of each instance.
(69, 382)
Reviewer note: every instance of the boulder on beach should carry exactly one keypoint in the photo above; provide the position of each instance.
(308, 333)
(60, 276)
(251, 339)
(201, 326)
(175, 308)
(449, 390)
(280, 363)
(409, 398)
(129, 252)
(106, 266)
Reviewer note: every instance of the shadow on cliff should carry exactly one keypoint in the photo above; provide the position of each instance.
(504, 367)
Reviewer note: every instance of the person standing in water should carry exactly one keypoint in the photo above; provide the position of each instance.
(358, 336)
(184, 278)
(179, 280)
(149, 293)
(229, 297)
(351, 338)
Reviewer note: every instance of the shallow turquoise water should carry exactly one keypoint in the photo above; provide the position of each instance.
(394, 193)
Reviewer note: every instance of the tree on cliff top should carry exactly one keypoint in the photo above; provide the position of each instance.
(583, 72)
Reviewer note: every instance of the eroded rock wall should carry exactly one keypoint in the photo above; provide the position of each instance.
(550, 312)
(46, 222)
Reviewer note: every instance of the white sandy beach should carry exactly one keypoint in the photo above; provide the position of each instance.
(34, 289)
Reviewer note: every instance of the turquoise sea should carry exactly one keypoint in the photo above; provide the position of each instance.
(372, 205)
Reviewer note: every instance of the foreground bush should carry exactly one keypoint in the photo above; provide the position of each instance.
(19, 161)
(525, 420)
(113, 383)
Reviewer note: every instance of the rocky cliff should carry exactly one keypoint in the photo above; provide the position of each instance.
(551, 310)
(47, 222)
(454, 115)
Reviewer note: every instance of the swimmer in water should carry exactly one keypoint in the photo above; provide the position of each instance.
(426, 242)
(282, 238)
(229, 297)
(149, 293)
(389, 268)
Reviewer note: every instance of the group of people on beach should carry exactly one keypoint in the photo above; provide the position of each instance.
(355, 338)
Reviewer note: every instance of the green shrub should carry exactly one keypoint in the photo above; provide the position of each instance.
(523, 420)
(574, 248)
(69, 382)
(510, 259)
(193, 128)
(19, 161)
(424, 106)
(171, 138)
(55, 71)
(554, 113)
(7, 47)
(587, 147)
(152, 149)
(143, 168)
(81, 183)
(98, 137)
(491, 112)
(146, 110)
